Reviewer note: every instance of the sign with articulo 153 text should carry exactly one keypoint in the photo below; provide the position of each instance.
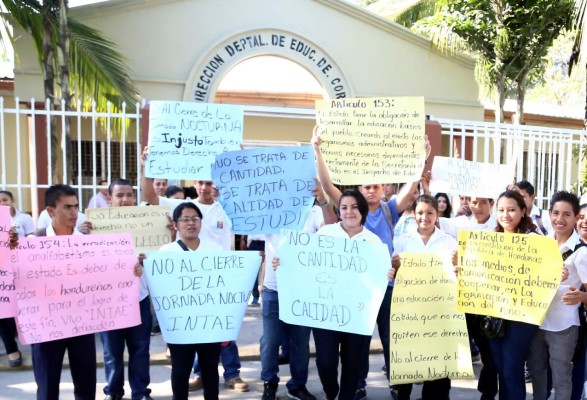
(373, 140)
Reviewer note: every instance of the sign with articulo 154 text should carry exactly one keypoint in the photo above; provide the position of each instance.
(8, 306)
(344, 281)
(267, 189)
(75, 285)
(184, 137)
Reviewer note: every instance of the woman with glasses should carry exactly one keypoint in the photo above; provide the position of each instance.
(187, 219)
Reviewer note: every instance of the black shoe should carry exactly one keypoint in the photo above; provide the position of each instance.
(269, 391)
(282, 360)
(300, 393)
(156, 330)
(360, 394)
(113, 397)
(394, 393)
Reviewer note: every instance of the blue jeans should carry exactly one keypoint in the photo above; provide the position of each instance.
(299, 354)
(137, 339)
(231, 362)
(509, 354)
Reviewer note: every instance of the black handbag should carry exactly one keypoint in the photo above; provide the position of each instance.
(492, 327)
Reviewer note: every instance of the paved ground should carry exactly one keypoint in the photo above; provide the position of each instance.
(19, 383)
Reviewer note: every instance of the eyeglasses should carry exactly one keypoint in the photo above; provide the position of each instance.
(187, 220)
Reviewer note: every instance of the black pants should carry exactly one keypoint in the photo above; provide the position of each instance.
(351, 348)
(182, 360)
(7, 332)
(487, 385)
(48, 362)
(256, 245)
(438, 389)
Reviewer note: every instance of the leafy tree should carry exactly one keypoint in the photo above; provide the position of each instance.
(89, 66)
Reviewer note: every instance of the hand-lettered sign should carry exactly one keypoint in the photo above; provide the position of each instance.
(75, 285)
(184, 137)
(201, 296)
(265, 190)
(343, 281)
(512, 276)
(7, 289)
(147, 225)
(372, 140)
(469, 178)
(428, 338)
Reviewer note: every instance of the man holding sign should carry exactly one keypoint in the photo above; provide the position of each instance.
(62, 205)
(136, 338)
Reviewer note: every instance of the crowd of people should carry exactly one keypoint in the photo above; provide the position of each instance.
(405, 219)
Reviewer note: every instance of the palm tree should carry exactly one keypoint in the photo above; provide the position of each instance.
(90, 68)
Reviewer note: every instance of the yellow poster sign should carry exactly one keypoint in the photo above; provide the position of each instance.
(512, 276)
(373, 140)
(147, 225)
(428, 337)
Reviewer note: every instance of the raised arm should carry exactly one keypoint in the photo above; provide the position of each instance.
(329, 188)
(328, 213)
(405, 195)
(147, 190)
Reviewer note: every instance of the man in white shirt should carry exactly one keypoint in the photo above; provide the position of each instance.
(137, 338)
(539, 216)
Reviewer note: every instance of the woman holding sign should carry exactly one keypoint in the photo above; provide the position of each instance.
(187, 219)
(427, 239)
(351, 348)
(511, 351)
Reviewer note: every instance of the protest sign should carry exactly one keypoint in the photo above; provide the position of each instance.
(343, 281)
(469, 178)
(7, 289)
(265, 190)
(147, 225)
(428, 337)
(201, 296)
(372, 140)
(75, 285)
(512, 276)
(184, 137)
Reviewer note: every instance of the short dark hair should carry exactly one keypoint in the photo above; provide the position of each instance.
(103, 182)
(55, 192)
(526, 225)
(526, 186)
(568, 197)
(7, 193)
(424, 198)
(187, 204)
(171, 190)
(361, 202)
(119, 182)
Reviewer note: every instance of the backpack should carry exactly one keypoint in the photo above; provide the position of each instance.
(388, 217)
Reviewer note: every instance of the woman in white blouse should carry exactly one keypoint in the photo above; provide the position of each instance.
(427, 239)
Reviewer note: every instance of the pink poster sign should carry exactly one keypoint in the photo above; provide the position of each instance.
(7, 288)
(75, 285)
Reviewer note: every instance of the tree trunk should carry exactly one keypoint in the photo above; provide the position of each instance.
(500, 99)
(49, 85)
(64, 81)
(520, 97)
